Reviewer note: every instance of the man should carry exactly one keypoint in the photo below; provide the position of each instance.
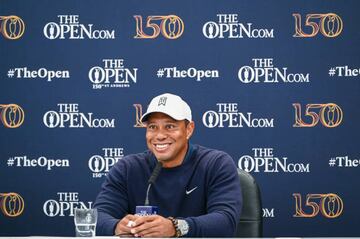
(197, 191)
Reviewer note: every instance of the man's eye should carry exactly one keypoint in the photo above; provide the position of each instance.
(151, 126)
(170, 126)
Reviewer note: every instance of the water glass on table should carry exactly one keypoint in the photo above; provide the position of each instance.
(85, 222)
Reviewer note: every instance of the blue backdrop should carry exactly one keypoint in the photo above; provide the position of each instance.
(273, 83)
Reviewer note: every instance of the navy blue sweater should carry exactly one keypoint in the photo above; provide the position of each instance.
(212, 208)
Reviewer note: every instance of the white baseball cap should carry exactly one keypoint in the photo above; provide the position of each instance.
(169, 104)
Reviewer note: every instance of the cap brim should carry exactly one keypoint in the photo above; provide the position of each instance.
(145, 116)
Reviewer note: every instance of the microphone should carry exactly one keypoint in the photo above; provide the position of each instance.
(152, 180)
(147, 209)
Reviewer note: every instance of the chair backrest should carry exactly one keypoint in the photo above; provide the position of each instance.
(250, 224)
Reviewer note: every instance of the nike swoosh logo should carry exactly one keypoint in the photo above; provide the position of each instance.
(190, 191)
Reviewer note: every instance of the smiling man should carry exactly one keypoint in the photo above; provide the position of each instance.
(197, 191)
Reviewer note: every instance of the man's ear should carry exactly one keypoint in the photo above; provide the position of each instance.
(190, 129)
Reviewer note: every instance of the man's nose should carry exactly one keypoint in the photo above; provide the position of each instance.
(161, 134)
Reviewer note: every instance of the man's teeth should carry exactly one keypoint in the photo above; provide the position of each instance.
(161, 146)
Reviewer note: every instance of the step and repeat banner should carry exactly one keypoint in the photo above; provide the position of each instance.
(273, 83)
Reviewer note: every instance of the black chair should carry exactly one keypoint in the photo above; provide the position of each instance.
(250, 224)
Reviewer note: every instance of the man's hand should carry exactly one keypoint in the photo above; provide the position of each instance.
(152, 226)
(124, 226)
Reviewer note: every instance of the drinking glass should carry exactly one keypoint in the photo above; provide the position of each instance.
(85, 222)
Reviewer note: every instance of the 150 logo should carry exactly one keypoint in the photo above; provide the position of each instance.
(11, 115)
(329, 24)
(12, 27)
(11, 204)
(329, 205)
(330, 115)
(138, 115)
(171, 27)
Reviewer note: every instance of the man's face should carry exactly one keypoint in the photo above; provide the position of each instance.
(168, 138)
